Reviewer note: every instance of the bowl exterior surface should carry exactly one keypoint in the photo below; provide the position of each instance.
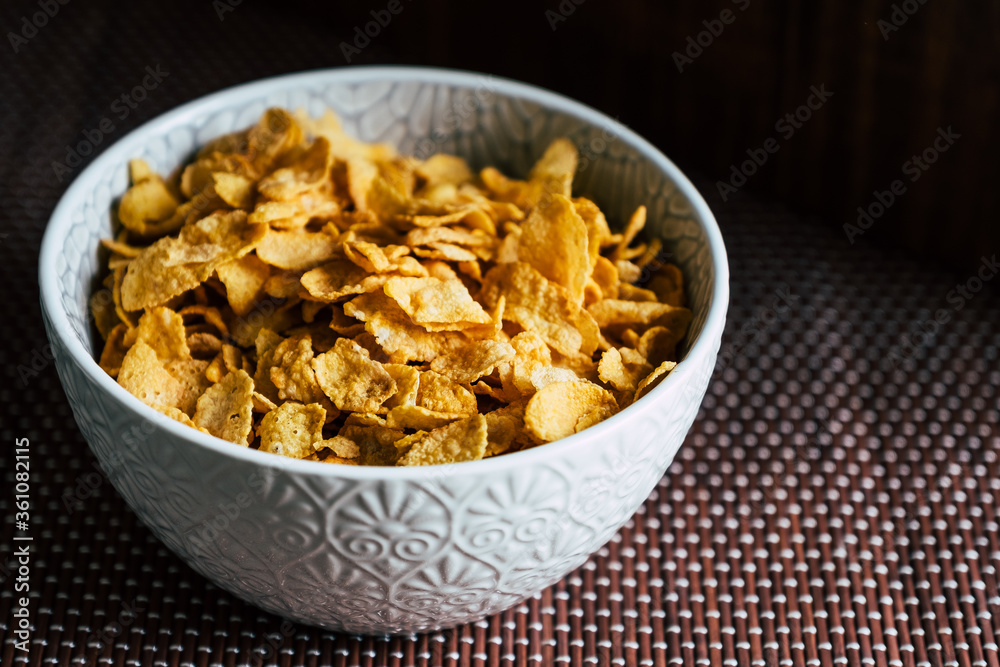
(397, 554)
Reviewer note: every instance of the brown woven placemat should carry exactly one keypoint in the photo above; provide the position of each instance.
(834, 504)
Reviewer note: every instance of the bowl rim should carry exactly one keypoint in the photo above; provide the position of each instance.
(125, 147)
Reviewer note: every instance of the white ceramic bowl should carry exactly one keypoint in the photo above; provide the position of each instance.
(388, 550)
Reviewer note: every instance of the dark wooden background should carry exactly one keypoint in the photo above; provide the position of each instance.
(890, 95)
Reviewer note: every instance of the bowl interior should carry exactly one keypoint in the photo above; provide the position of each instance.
(487, 120)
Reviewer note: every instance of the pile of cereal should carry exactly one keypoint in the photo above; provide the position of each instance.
(300, 292)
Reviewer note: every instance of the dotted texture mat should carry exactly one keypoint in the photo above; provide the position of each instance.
(835, 503)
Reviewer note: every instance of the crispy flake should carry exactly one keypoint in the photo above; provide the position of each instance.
(504, 428)
(147, 208)
(551, 175)
(442, 394)
(307, 173)
(635, 225)
(225, 409)
(377, 259)
(102, 307)
(266, 343)
(158, 273)
(419, 417)
(297, 250)
(179, 416)
(437, 305)
(532, 353)
(291, 370)
(539, 305)
(473, 361)
(627, 271)
(244, 279)
(598, 414)
(598, 232)
(114, 351)
(620, 374)
(293, 429)
(543, 376)
(341, 278)
(463, 440)
(407, 379)
(375, 443)
(144, 376)
(342, 448)
(392, 328)
(163, 330)
(234, 189)
(627, 292)
(554, 241)
(654, 378)
(605, 276)
(616, 311)
(351, 379)
(668, 285)
(658, 344)
(191, 374)
(444, 169)
(555, 410)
